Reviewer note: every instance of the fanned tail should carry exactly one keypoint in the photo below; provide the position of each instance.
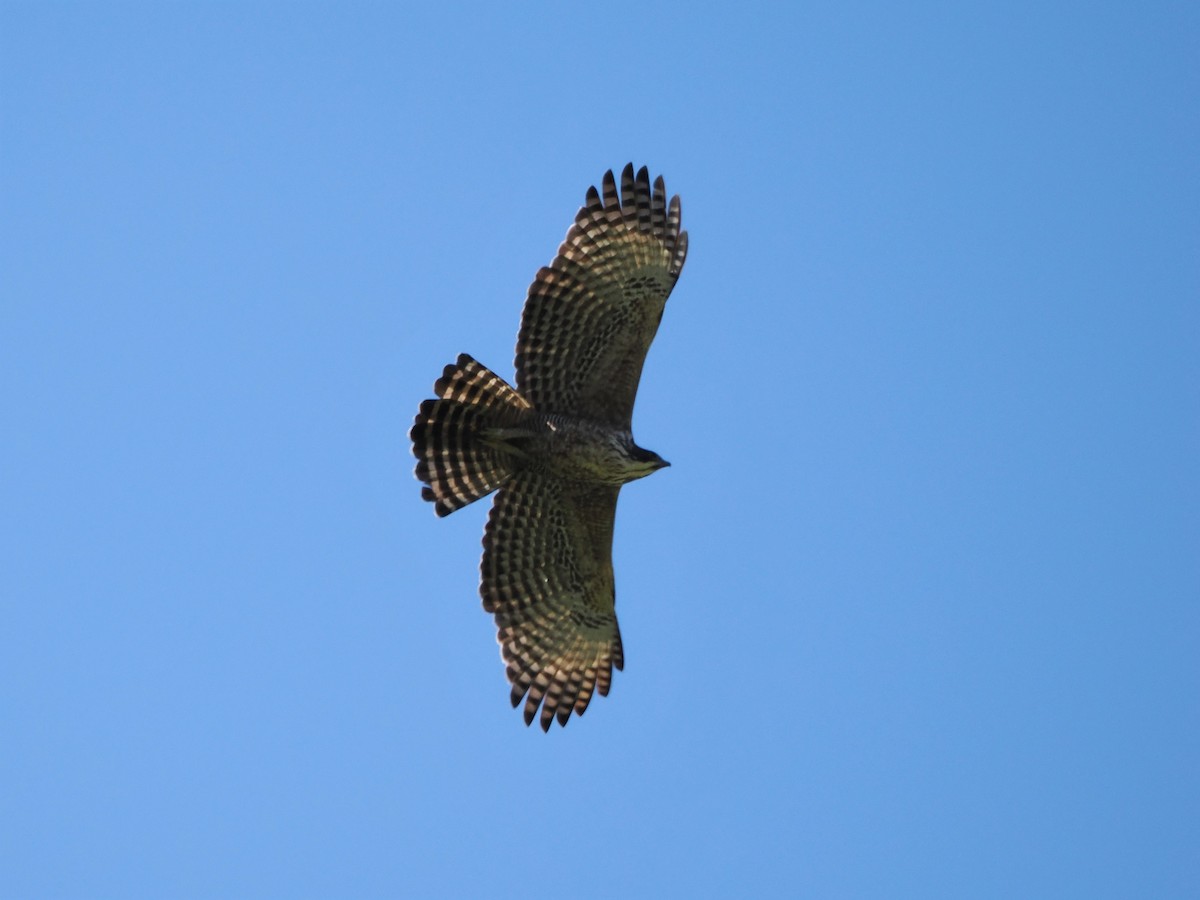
(456, 463)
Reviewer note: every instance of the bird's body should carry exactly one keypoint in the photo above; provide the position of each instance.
(575, 448)
(558, 446)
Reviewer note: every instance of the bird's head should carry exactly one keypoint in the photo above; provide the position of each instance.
(645, 461)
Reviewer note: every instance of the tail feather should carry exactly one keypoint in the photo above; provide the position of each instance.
(453, 460)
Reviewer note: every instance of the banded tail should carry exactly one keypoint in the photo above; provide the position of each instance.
(454, 459)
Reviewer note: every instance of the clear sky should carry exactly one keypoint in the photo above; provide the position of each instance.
(916, 609)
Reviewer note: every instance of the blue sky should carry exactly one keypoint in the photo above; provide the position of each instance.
(916, 609)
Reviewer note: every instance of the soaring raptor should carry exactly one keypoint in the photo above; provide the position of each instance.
(558, 445)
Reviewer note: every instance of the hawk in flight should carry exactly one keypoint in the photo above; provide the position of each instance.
(558, 447)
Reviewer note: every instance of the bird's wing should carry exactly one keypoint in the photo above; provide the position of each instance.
(547, 577)
(592, 313)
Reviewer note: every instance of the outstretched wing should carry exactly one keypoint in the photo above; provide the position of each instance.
(547, 577)
(592, 313)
